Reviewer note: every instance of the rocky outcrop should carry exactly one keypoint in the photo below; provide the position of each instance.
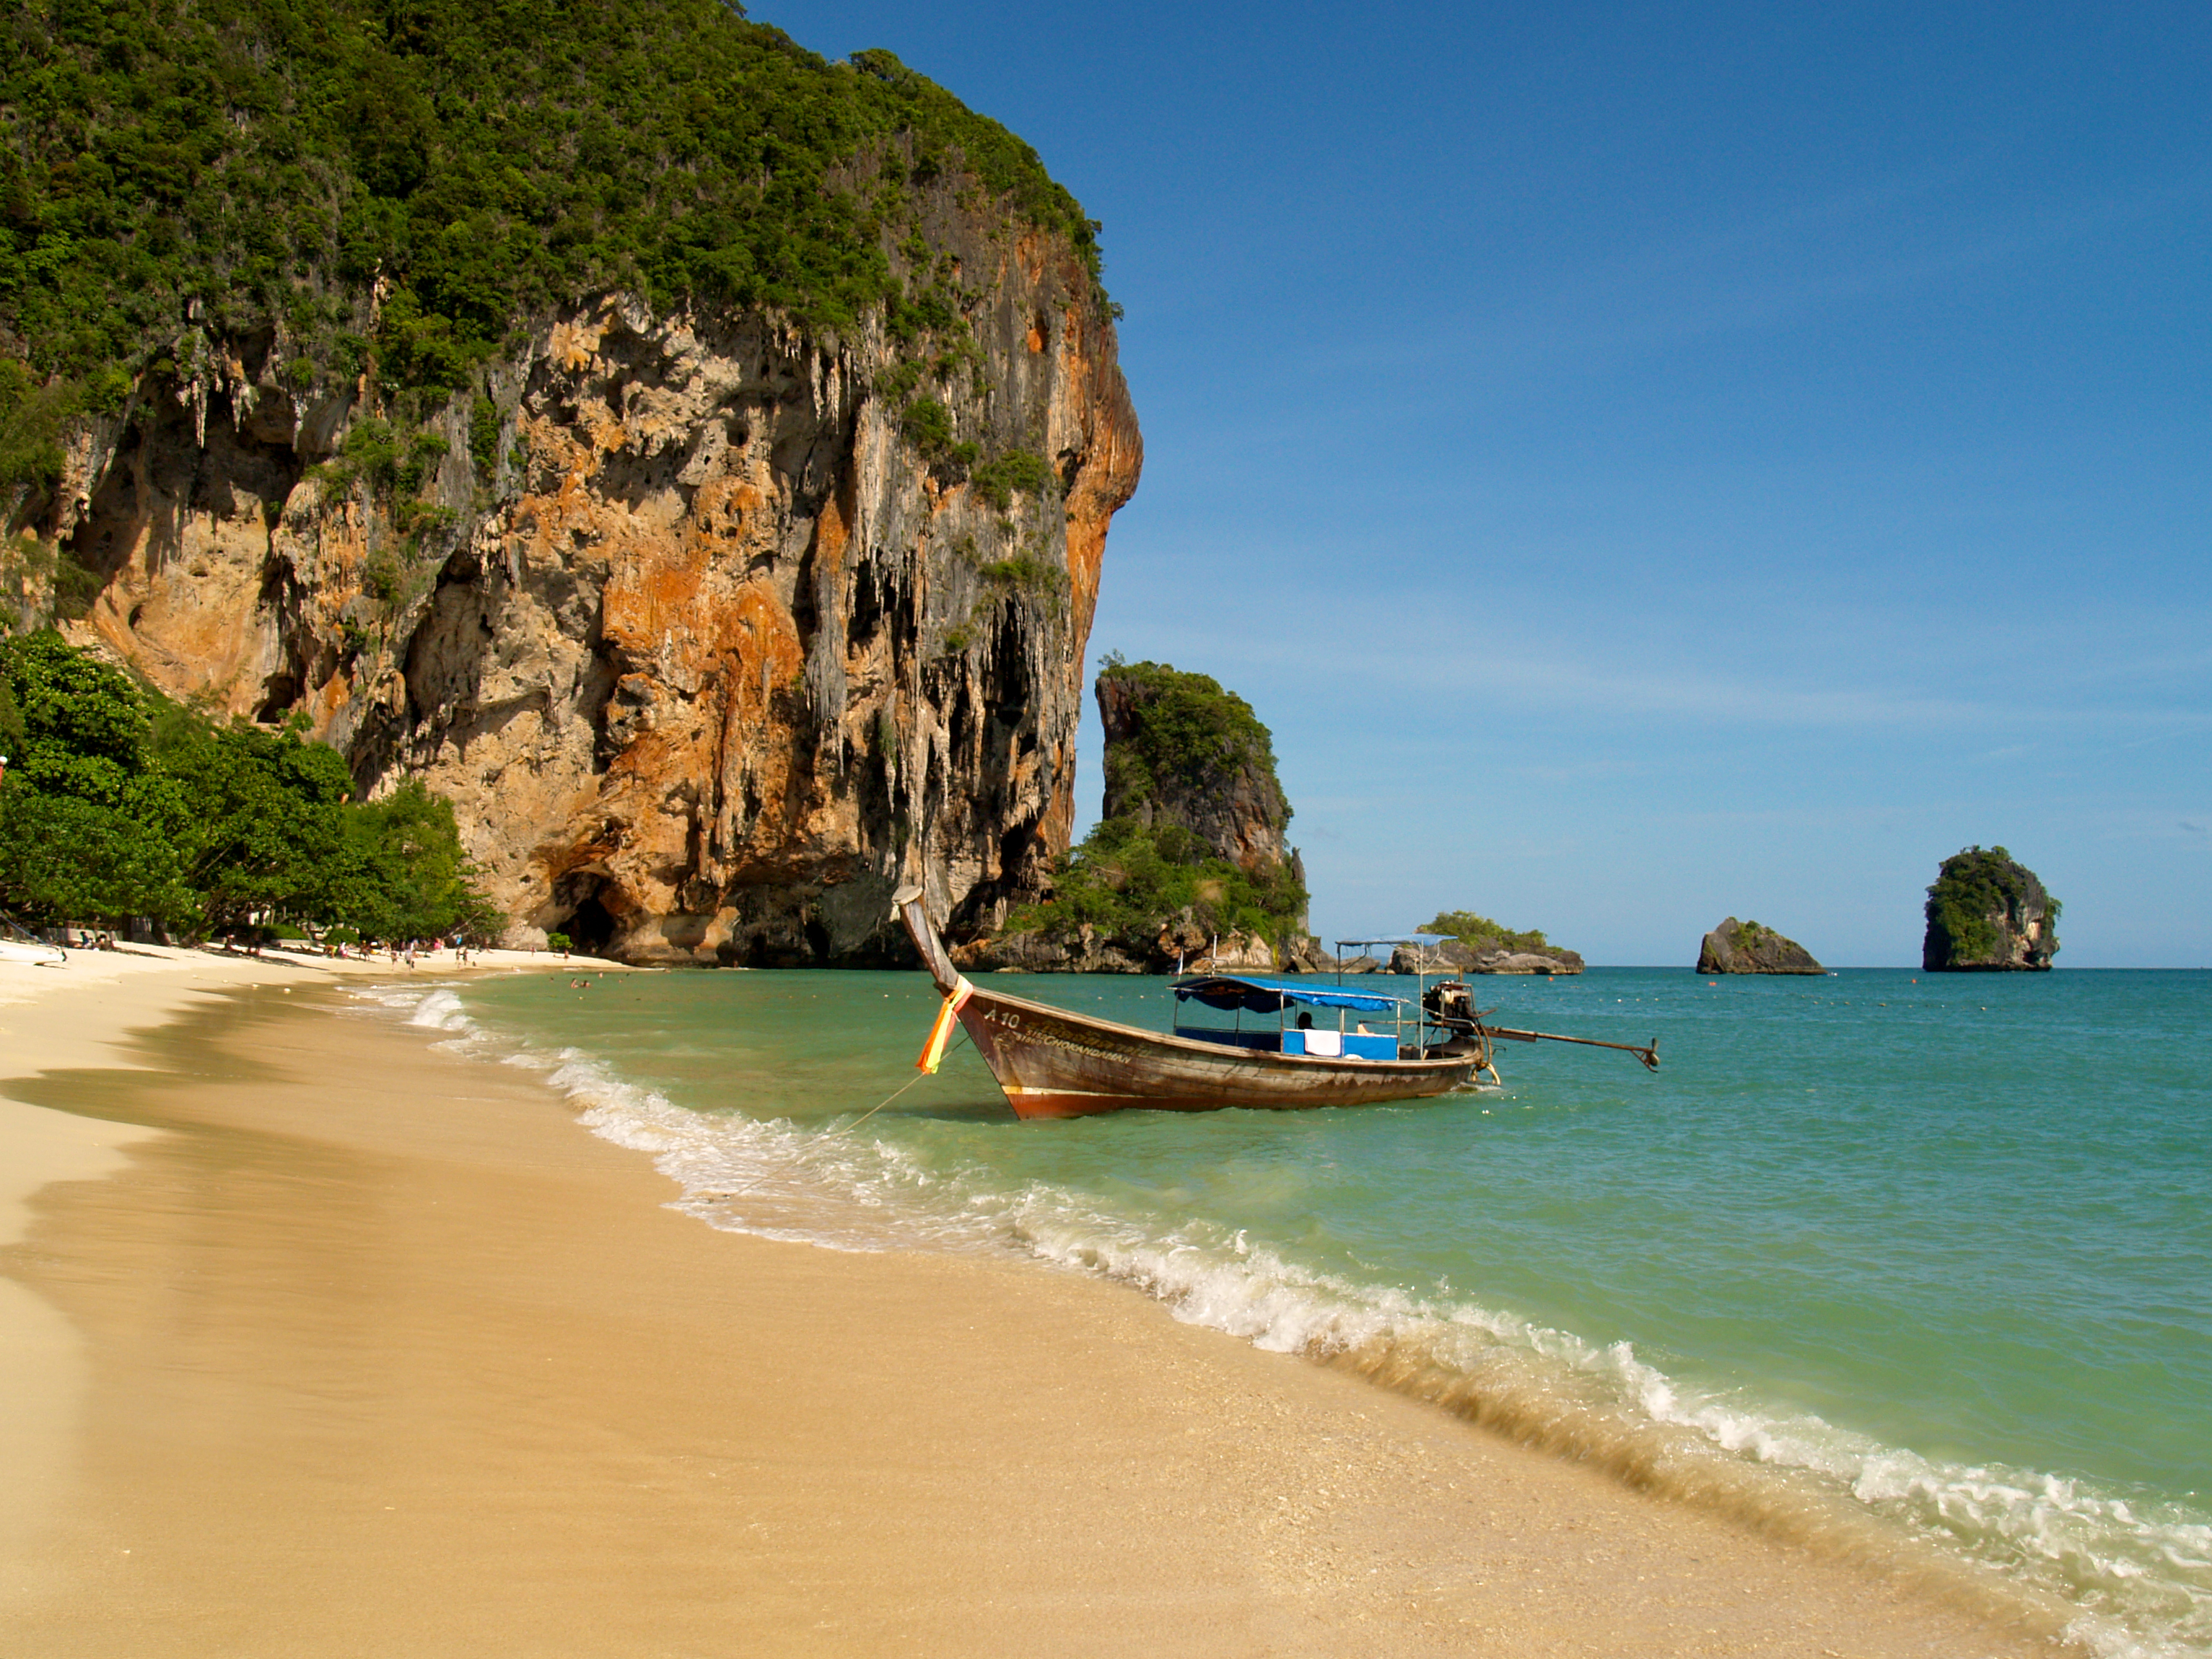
(1987, 914)
(1747, 947)
(1185, 866)
(707, 653)
(1180, 750)
(1303, 955)
(1482, 956)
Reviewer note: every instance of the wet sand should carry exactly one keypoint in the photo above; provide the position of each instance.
(349, 1347)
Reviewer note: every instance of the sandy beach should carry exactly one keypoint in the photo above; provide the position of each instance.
(320, 1340)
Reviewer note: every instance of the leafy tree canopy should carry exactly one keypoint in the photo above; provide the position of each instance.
(241, 162)
(118, 803)
(1183, 734)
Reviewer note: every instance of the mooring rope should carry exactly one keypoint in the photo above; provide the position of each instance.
(855, 1124)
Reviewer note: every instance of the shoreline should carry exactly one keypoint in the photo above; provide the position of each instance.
(319, 1269)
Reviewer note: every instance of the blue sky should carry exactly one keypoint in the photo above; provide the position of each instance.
(1648, 464)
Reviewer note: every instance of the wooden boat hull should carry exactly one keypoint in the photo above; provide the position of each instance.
(1050, 1062)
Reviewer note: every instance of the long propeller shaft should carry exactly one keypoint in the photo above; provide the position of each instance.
(1648, 1053)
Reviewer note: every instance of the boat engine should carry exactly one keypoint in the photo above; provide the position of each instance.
(1450, 1004)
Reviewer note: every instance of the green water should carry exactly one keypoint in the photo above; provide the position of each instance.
(1939, 1249)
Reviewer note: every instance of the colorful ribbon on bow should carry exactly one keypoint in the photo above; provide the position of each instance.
(941, 1034)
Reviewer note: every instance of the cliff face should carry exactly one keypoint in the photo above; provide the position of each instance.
(1988, 913)
(1745, 947)
(708, 648)
(1231, 799)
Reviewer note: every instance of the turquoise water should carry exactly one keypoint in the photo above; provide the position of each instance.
(1928, 1256)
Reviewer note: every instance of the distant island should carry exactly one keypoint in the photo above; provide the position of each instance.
(1988, 913)
(1476, 944)
(1752, 947)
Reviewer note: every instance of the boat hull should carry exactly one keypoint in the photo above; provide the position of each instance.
(1052, 1063)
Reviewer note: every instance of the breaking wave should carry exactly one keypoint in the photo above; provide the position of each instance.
(2121, 1576)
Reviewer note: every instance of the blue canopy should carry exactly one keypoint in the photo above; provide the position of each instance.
(1269, 996)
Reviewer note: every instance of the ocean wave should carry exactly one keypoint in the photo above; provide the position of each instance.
(2119, 1576)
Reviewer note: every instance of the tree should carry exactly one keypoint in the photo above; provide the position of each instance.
(401, 873)
(83, 726)
(68, 859)
(118, 803)
(84, 823)
(267, 818)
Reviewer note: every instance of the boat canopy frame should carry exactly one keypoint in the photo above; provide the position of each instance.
(1240, 994)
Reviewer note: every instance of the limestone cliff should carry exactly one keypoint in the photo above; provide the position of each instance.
(711, 642)
(1988, 913)
(1745, 947)
(1180, 750)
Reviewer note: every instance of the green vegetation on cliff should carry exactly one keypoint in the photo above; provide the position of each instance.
(1190, 777)
(1128, 880)
(1980, 908)
(1184, 735)
(118, 803)
(180, 170)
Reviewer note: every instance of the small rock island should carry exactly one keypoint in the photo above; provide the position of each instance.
(1751, 947)
(1476, 944)
(1987, 914)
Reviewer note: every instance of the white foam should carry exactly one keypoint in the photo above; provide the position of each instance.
(440, 1009)
(2142, 1578)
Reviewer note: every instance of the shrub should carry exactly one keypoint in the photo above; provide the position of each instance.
(1023, 575)
(1016, 472)
(928, 425)
(1127, 878)
(484, 437)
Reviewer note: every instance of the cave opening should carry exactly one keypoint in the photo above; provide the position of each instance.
(590, 925)
(279, 693)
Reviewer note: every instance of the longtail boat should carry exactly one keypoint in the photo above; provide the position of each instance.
(1052, 1062)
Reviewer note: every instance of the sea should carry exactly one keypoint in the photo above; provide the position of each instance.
(1884, 1262)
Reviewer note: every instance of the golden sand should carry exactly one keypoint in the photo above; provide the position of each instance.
(344, 1345)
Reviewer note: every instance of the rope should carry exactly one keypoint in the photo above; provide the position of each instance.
(857, 1122)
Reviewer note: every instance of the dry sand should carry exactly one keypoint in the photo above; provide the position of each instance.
(331, 1344)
